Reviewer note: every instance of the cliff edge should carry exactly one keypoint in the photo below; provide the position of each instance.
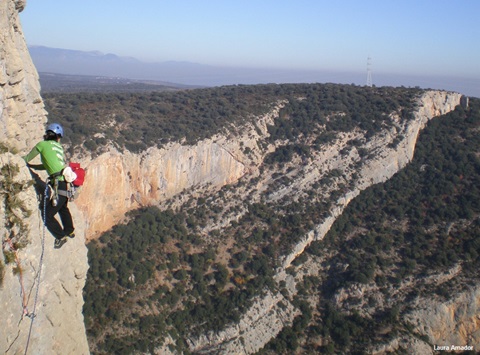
(50, 322)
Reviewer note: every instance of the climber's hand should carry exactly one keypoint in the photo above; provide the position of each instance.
(35, 166)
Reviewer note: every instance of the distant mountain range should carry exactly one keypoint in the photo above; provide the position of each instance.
(74, 62)
(95, 63)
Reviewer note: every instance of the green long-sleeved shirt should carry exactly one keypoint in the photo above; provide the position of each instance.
(51, 155)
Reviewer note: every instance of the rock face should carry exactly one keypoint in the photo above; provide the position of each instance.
(119, 182)
(386, 162)
(455, 322)
(58, 326)
(451, 326)
(248, 336)
(19, 85)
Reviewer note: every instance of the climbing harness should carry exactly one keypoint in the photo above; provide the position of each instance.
(73, 177)
(53, 180)
(33, 315)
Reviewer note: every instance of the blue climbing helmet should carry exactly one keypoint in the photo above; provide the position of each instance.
(55, 128)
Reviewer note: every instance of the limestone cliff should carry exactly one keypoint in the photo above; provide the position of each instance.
(122, 181)
(19, 85)
(119, 182)
(387, 161)
(454, 322)
(57, 327)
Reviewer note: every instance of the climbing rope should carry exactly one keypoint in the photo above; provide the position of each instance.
(33, 315)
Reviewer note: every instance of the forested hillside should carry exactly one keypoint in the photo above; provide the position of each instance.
(196, 263)
(136, 121)
(393, 239)
(423, 221)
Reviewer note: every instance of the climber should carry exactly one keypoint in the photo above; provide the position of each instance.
(53, 161)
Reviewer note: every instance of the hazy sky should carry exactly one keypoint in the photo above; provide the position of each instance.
(415, 37)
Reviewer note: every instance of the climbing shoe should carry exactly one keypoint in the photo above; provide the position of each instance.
(71, 235)
(59, 242)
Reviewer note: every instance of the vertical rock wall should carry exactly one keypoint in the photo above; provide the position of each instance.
(455, 322)
(120, 182)
(58, 326)
(22, 114)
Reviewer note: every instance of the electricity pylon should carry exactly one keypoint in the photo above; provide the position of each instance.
(369, 72)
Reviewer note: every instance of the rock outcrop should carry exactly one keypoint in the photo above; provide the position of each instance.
(456, 322)
(386, 162)
(264, 319)
(19, 85)
(118, 182)
(121, 181)
(444, 326)
(58, 326)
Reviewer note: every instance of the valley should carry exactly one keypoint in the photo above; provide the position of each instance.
(221, 251)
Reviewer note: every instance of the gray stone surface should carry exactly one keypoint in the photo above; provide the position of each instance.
(58, 326)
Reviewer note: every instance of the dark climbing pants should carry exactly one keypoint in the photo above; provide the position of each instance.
(62, 209)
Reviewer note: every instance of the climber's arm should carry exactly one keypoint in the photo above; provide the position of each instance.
(33, 153)
(36, 166)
